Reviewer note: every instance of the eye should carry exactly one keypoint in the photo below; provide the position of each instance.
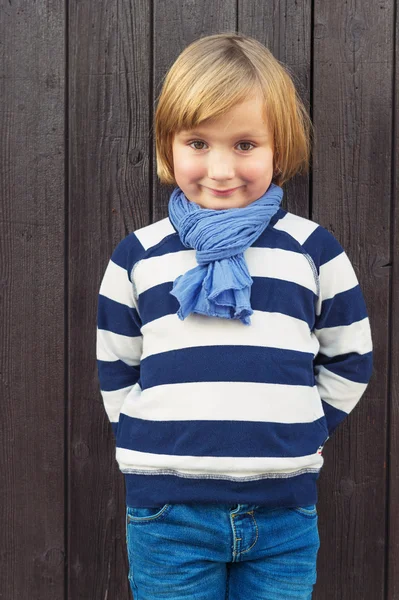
(246, 144)
(196, 142)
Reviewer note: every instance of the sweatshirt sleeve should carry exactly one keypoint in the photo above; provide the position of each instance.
(119, 339)
(343, 366)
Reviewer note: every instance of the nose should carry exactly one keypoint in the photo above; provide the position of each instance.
(220, 166)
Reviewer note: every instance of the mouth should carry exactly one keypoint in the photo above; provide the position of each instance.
(223, 192)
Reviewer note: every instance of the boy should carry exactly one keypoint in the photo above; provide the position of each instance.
(232, 339)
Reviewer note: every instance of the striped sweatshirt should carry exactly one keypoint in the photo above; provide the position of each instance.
(211, 410)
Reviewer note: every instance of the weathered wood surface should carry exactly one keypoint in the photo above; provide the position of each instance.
(352, 57)
(79, 84)
(32, 300)
(392, 549)
(110, 58)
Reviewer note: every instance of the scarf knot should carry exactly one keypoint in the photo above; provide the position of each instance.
(220, 286)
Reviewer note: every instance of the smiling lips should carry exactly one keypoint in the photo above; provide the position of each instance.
(223, 192)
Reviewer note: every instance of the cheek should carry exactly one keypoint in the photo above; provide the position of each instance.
(260, 168)
(187, 168)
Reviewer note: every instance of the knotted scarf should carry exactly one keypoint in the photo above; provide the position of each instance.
(220, 286)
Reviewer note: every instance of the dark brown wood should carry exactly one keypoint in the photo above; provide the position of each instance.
(177, 24)
(285, 29)
(32, 470)
(351, 197)
(392, 552)
(110, 75)
(78, 87)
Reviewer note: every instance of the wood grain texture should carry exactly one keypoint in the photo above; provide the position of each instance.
(32, 300)
(177, 24)
(285, 29)
(352, 198)
(109, 115)
(79, 83)
(393, 458)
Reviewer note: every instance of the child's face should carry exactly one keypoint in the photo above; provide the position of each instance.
(233, 152)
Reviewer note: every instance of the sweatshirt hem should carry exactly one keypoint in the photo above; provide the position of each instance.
(273, 492)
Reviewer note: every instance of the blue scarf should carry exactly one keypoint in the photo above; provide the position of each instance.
(221, 285)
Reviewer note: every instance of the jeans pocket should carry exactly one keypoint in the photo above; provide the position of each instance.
(146, 515)
(309, 512)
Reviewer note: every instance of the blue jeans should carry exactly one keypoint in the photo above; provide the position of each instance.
(220, 552)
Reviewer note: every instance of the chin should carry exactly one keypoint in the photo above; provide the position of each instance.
(223, 204)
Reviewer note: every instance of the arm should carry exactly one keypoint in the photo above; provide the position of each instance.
(119, 340)
(343, 365)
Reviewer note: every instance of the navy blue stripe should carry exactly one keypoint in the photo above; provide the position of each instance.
(222, 438)
(280, 214)
(127, 252)
(276, 239)
(228, 363)
(157, 302)
(168, 245)
(116, 317)
(334, 416)
(285, 297)
(269, 238)
(130, 250)
(353, 366)
(116, 375)
(344, 309)
(322, 246)
(157, 490)
(268, 295)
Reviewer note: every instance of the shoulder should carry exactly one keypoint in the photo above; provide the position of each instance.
(154, 234)
(136, 246)
(315, 240)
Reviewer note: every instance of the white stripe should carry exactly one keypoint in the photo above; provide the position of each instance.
(155, 270)
(262, 262)
(231, 466)
(116, 285)
(114, 346)
(336, 276)
(338, 391)
(274, 330)
(346, 338)
(298, 227)
(153, 234)
(280, 264)
(218, 401)
(114, 400)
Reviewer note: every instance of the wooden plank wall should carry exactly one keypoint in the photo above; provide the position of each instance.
(353, 53)
(79, 82)
(33, 474)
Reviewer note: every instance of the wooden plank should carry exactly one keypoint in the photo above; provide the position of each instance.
(285, 28)
(110, 61)
(32, 303)
(176, 25)
(351, 192)
(393, 458)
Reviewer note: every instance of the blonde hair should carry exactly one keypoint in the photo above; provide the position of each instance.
(217, 72)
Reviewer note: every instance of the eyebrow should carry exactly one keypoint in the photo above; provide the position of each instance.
(242, 134)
